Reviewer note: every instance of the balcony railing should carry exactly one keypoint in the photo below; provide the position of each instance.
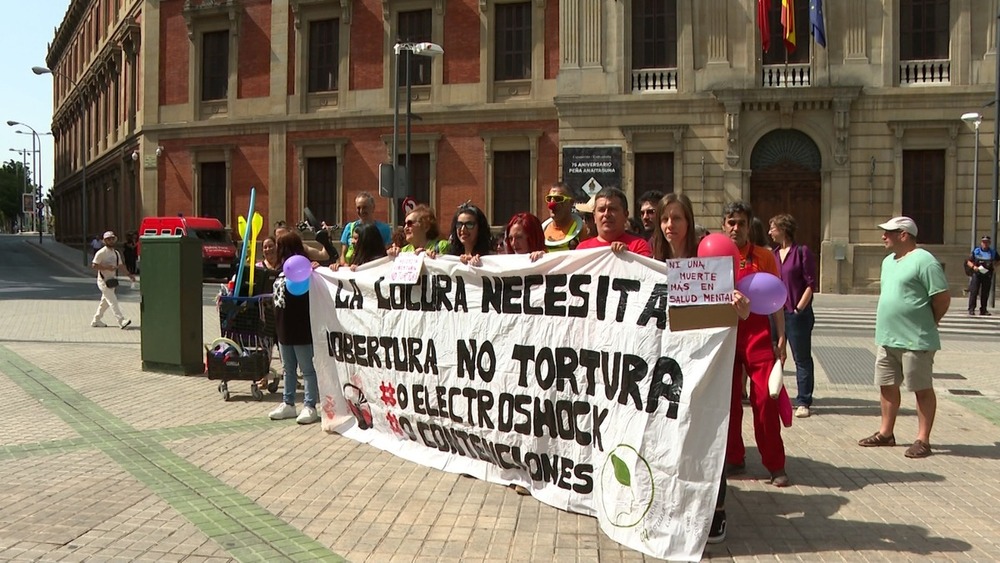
(920, 73)
(654, 80)
(786, 76)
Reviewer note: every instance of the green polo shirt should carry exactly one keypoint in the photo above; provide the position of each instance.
(904, 318)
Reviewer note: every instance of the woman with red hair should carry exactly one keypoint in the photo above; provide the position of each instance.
(525, 236)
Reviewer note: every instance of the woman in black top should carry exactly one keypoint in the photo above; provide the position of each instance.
(470, 235)
(291, 316)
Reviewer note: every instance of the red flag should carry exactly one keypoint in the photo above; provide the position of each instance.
(788, 22)
(763, 8)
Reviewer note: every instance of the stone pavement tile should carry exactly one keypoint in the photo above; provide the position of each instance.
(18, 406)
(83, 502)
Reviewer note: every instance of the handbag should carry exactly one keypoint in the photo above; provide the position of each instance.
(111, 283)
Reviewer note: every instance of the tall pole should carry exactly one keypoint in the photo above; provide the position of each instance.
(995, 212)
(409, 100)
(83, 167)
(975, 186)
(24, 172)
(395, 135)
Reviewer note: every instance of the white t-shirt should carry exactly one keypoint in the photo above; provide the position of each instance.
(106, 257)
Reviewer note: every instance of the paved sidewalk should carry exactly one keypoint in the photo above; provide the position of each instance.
(102, 461)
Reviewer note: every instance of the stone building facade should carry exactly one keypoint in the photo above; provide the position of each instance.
(295, 98)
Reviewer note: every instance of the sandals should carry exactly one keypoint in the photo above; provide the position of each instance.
(877, 439)
(919, 449)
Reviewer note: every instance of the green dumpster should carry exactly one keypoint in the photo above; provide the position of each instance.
(170, 304)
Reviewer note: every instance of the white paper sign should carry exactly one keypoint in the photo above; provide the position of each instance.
(559, 375)
(406, 268)
(700, 281)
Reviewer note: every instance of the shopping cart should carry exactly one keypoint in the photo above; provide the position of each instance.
(248, 338)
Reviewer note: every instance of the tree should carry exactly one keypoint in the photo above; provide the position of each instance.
(11, 188)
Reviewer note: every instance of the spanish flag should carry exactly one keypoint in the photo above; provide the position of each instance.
(788, 22)
(763, 13)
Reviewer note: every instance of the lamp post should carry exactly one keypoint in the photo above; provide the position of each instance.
(995, 212)
(427, 49)
(40, 70)
(975, 118)
(35, 163)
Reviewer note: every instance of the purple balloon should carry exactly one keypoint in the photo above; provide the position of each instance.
(297, 268)
(766, 291)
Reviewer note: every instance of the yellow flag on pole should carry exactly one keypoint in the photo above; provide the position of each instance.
(788, 22)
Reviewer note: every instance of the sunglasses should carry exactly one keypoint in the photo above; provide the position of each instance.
(467, 225)
(557, 198)
(409, 223)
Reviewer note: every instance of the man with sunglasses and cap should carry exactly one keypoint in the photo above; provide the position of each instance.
(107, 262)
(564, 229)
(980, 266)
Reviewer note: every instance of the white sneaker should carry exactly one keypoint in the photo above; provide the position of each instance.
(307, 416)
(802, 412)
(283, 411)
(97, 324)
(125, 323)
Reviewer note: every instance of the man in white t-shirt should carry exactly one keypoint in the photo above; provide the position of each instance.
(107, 262)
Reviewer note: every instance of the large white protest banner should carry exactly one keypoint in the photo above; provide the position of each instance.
(560, 375)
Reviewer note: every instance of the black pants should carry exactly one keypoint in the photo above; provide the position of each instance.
(980, 285)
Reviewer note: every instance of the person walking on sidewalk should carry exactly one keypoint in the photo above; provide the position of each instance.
(108, 262)
(912, 300)
(981, 263)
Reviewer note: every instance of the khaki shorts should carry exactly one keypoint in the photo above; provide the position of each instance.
(895, 365)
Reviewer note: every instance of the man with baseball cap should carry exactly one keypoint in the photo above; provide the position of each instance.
(980, 266)
(108, 262)
(912, 299)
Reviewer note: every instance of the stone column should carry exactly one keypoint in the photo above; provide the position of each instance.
(856, 39)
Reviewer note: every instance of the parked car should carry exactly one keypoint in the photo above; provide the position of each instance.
(218, 250)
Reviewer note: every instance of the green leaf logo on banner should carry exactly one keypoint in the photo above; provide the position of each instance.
(621, 471)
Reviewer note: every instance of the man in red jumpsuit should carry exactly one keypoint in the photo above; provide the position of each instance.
(755, 353)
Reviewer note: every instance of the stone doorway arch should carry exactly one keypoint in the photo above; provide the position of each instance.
(785, 178)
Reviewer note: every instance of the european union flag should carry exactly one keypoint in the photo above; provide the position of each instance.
(816, 26)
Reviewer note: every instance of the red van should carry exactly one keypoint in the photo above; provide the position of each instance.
(218, 250)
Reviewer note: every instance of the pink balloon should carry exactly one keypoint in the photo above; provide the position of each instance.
(718, 244)
(766, 291)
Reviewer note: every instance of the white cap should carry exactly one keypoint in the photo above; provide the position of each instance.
(586, 207)
(900, 224)
(109, 234)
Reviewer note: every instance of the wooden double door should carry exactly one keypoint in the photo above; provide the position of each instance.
(792, 189)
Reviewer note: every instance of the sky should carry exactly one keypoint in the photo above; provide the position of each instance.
(25, 97)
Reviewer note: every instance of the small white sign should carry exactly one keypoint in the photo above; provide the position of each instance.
(406, 267)
(699, 281)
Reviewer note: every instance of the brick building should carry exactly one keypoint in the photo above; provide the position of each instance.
(294, 97)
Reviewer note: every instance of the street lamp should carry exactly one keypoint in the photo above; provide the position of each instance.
(427, 49)
(975, 118)
(35, 164)
(39, 70)
(995, 212)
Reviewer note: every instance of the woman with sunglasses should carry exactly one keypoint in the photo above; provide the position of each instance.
(470, 235)
(420, 230)
(564, 229)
